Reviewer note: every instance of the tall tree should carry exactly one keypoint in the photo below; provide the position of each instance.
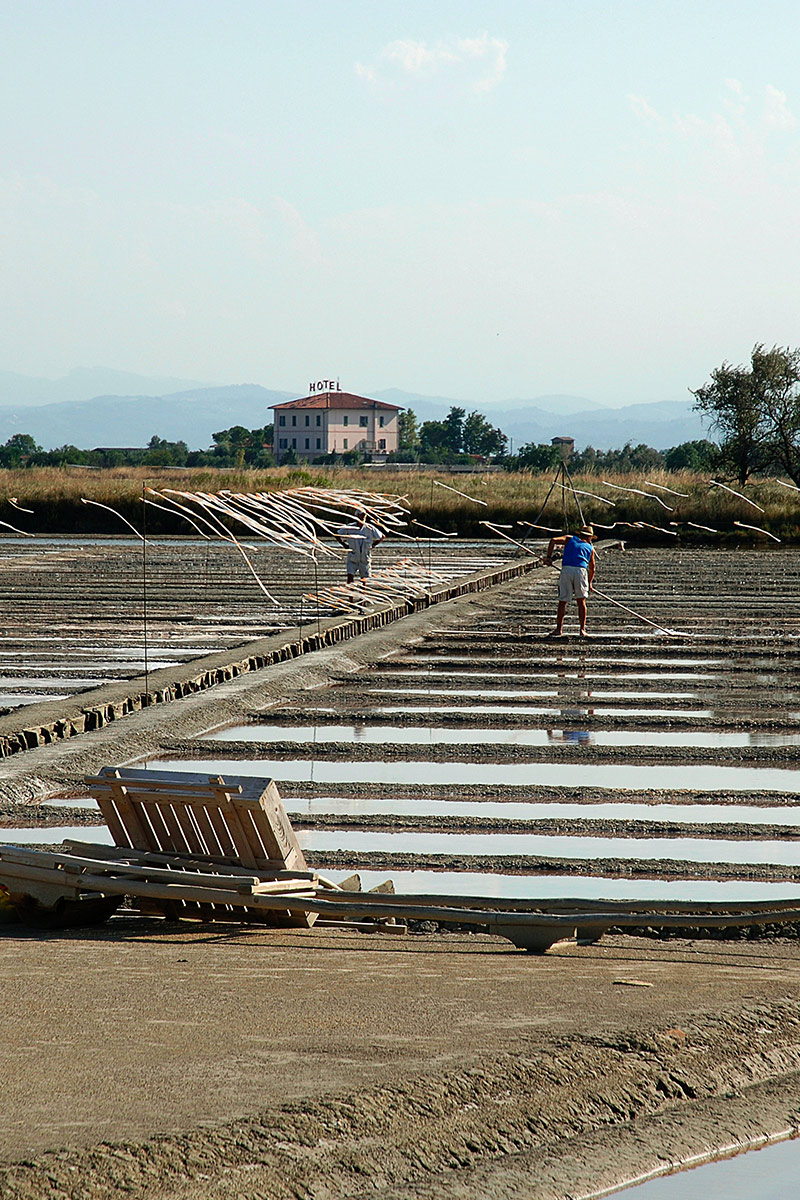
(454, 429)
(407, 432)
(776, 381)
(479, 437)
(736, 411)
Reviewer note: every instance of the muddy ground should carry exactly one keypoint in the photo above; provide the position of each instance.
(174, 1062)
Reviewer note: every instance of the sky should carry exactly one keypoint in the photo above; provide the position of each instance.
(486, 201)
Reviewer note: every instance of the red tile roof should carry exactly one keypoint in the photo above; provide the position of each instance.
(337, 400)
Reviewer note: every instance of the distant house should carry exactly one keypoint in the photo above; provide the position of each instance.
(333, 423)
(565, 445)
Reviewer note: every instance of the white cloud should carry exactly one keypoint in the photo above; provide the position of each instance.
(736, 101)
(738, 130)
(483, 56)
(777, 114)
(642, 109)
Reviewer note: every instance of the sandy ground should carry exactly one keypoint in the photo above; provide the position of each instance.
(159, 1061)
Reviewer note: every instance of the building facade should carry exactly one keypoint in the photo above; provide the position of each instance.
(335, 422)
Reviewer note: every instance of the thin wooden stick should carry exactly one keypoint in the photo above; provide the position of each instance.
(662, 488)
(436, 483)
(725, 488)
(766, 533)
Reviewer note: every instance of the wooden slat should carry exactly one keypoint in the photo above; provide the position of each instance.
(275, 829)
(157, 780)
(167, 814)
(111, 818)
(153, 815)
(139, 835)
(221, 832)
(192, 840)
(233, 822)
(199, 815)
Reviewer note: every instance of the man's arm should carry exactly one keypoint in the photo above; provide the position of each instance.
(591, 568)
(554, 541)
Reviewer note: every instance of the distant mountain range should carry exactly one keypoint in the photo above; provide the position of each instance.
(661, 424)
(99, 407)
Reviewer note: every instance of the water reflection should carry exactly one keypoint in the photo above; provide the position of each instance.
(408, 735)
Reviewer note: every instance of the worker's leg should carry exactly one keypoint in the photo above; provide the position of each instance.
(581, 603)
(560, 614)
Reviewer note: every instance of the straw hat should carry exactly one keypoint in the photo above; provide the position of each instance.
(586, 532)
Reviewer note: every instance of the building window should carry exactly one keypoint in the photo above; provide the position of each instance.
(282, 419)
(308, 419)
(282, 443)
(345, 440)
(382, 444)
(380, 422)
(319, 443)
(294, 443)
(294, 419)
(308, 443)
(345, 419)
(363, 422)
(319, 419)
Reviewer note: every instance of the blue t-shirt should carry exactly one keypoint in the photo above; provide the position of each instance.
(577, 553)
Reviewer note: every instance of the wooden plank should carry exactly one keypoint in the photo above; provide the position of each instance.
(275, 829)
(277, 886)
(138, 834)
(215, 840)
(152, 814)
(359, 926)
(178, 780)
(192, 840)
(251, 820)
(122, 870)
(169, 819)
(222, 833)
(233, 821)
(266, 870)
(111, 818)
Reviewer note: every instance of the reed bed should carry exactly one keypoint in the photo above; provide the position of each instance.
(55, 497)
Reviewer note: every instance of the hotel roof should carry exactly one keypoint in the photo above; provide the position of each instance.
(337, 400)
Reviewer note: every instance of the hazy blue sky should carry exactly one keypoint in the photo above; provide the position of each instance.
(488, 201)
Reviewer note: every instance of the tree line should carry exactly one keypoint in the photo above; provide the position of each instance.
(754, 409)
(234, 447)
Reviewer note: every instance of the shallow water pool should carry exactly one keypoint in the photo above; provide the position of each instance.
(770, 1173)
(619, 776)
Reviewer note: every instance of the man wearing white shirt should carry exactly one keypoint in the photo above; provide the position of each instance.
(358, 540)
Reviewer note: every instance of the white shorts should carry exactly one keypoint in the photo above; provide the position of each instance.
(358, 567)
(573, 584)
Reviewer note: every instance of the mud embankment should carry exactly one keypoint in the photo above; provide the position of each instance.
(510, 1125)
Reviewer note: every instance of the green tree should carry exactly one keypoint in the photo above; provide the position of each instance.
(479, 437)
(18, 450)
(163, 453)
(535, 456)
(454, 429)
(407, 431)
(433, 437)
(734, 406)
(692, 456)
(775, 378)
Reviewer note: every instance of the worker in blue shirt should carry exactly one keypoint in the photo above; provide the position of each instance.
(577, 573)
